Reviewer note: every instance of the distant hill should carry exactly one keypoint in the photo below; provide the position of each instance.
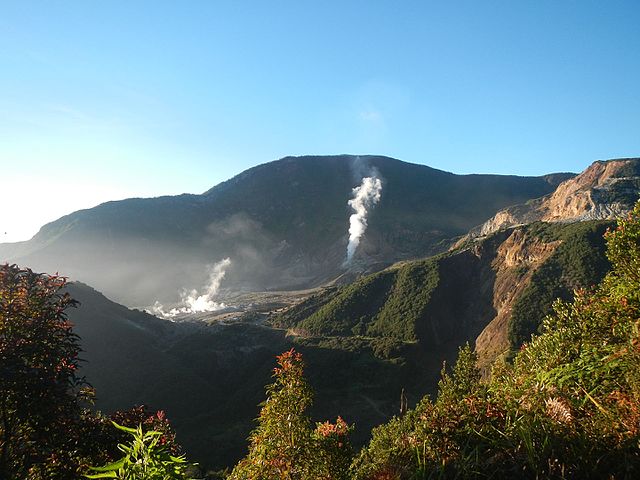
(283, 225)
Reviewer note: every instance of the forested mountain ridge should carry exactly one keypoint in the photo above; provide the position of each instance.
(493, 294)
(386, 332)
(282, 224)
(565, 407)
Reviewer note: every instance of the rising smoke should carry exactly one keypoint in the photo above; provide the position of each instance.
(365, 197)
(192, 301)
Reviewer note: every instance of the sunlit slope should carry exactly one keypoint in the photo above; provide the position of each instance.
(493, 293)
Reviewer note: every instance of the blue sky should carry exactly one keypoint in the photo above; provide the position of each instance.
(106, 100)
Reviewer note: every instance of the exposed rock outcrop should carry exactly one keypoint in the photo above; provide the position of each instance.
(604, 191)
(517, 258)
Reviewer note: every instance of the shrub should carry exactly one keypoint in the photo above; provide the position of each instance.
(47, 430)
(40, 391)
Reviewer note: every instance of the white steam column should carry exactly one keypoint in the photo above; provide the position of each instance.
(365, 197)
(192, 301)
(196, 303)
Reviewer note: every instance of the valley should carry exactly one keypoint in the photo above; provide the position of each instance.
(446, 260)
(247, 307)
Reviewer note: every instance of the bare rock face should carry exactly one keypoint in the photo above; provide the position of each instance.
(515, 261)
(605, 190)
(592, 195)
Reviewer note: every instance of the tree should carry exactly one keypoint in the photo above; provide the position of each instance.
(284, 445)
(463, 380)
(47, 430)
(40, 391)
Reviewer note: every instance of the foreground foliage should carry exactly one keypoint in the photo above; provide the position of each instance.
(40, 391)
(47, 430)
(146, 457)
(568, 407)
(284, 445)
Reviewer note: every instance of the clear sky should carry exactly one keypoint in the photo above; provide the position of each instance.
(113, 99)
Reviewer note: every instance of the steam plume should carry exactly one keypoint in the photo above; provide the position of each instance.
(365, 196)
(192, 302)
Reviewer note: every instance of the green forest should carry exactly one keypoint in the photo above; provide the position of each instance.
(566, 405)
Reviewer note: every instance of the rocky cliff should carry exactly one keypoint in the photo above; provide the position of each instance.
(604, 191)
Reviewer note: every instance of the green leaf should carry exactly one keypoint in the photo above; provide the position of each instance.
(110, 467)
(103, 475)
(123, 428)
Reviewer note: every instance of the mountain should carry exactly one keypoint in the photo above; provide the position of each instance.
(282, 224)
(363, 342)
(497, 283)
